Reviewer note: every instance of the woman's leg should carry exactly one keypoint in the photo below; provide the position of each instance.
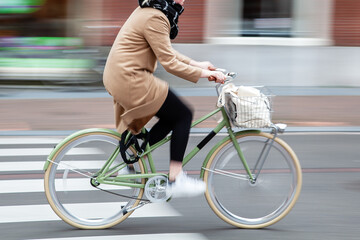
(173, 116)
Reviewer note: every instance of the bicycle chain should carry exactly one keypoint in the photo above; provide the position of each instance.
(118, 194)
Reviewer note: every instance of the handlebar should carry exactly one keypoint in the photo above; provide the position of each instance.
(229, 77)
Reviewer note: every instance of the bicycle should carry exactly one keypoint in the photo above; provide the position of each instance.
(254, 167)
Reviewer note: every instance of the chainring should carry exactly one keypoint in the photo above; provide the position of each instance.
(156, 189)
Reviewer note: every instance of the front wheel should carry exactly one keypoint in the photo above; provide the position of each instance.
(245, 203)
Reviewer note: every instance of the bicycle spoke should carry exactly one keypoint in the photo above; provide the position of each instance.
(231, 174)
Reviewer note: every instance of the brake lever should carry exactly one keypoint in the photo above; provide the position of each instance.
(232, 74)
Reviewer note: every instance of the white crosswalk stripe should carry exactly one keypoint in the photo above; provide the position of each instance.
(29, 140)
(161, 236)
(38, 165)
(43, 212)
(37, 185)
(44, 151)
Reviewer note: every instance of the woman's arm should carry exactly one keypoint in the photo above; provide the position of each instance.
(157, 35)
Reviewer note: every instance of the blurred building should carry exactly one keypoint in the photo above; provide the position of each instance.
(308, 22)
(279, 22)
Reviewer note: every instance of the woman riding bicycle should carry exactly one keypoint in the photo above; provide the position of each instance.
(138, 95)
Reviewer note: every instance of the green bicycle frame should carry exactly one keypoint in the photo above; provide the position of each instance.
(103, 176)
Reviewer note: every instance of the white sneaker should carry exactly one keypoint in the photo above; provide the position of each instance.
(185, 186)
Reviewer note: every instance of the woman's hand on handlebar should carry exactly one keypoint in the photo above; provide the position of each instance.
(209, 71)
(216, 76)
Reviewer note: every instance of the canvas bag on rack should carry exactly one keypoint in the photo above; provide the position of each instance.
(247, 106)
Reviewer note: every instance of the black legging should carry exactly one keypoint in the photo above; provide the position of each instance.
(173, 116)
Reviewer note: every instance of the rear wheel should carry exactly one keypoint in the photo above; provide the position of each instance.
(244, 203)
(70, 189)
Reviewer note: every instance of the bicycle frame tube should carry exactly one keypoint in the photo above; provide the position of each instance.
(240, 153)
(105, 168)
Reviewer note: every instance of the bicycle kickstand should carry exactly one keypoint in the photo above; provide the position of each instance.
(141, 204)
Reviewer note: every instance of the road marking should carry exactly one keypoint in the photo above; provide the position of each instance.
(37, 185)
(39, 165)
(21, 166)
(40, 213)
(13, 152)
(38, 140)
(160, 236)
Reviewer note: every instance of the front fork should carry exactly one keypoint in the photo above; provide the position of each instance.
(253, 174)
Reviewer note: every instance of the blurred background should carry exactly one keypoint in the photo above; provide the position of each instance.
(302, 50)
(271, 42)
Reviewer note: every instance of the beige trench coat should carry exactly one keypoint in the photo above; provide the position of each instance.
(128, 74)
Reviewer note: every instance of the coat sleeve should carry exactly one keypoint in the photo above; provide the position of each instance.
(156, 33)
(182, 57)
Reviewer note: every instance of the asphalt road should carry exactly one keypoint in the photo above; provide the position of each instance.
(328, 207)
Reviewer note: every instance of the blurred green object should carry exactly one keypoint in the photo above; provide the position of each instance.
(20, 6)
(41, 43)
(46, 63)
